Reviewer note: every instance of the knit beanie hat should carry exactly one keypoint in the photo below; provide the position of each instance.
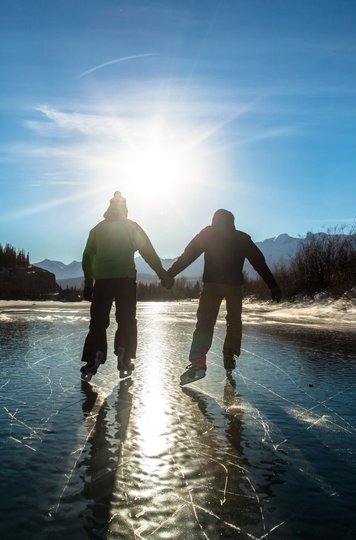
(117, 207)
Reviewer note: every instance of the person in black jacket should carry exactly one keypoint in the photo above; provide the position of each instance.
(225, 250)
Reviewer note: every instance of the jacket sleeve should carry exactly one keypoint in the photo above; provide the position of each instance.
(88, 260)
(258, 261)
(147, 251)
(193, 250)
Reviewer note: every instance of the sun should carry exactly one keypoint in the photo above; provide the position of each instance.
(154, 170)
(157, 166)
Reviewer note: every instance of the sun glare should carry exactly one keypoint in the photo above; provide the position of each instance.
(157, 168)
(154, 163)
(153, 170)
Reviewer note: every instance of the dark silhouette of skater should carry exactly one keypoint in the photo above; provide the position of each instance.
(110, 275)
(225, 250)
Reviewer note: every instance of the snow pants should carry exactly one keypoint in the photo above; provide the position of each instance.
(106, 291)
(209, 304)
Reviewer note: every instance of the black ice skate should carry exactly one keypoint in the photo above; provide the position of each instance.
(192, 374)
(91, 367)
(229, 362)
(124, 364)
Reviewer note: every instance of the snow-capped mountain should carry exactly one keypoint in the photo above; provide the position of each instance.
(279, 249)
(61, 270)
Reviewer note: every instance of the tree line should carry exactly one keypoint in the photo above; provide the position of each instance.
(182, 290)
(21, 281)
(11, 257)
(324, 263)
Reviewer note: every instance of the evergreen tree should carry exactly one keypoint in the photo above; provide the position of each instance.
(12, 258)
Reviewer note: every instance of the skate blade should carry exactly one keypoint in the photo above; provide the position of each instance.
(86, 376)
(186, 379)
(230, 379)
(125, 373)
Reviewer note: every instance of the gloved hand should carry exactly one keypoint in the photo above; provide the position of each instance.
(167, 280)
(276, 294)
(88, 293)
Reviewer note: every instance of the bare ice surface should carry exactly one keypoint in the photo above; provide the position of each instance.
(267, 454)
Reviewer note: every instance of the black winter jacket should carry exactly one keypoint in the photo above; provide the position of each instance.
(224, 254)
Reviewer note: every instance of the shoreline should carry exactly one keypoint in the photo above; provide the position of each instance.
(340, 314)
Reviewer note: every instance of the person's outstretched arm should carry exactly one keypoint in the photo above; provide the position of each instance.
(258, 261)
(193, 250)
(148, 253)
(88, 261)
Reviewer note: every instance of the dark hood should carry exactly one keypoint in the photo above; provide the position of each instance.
(223, 219)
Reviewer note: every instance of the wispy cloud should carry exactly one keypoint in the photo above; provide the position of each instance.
(115, 61)
(20, 213)
(87, 144)
(272, 133)
(92, 145)
(331, 46)
(55, 122)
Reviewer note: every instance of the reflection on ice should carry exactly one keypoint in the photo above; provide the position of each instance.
(324, 421)
(146, 458)
(152, 425)
(153, 417)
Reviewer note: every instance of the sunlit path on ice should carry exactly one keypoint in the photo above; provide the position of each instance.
(267, 454)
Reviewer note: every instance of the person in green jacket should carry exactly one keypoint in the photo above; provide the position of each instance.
(110, 276)
(225, 250)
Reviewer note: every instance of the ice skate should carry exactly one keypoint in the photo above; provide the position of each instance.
(91, 368)
(229, 362)
(192, 374)
(124, 365)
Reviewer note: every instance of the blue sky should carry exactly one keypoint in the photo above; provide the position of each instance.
(185, 107)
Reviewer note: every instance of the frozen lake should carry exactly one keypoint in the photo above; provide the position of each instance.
(270, 454)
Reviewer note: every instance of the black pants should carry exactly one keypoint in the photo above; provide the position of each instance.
(123, 292)
(210, 300)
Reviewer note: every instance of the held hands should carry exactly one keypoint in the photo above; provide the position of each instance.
(276, 294)
(88, 293)
(167, 280)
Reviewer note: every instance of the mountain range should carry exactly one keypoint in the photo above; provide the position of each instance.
(280, 249)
